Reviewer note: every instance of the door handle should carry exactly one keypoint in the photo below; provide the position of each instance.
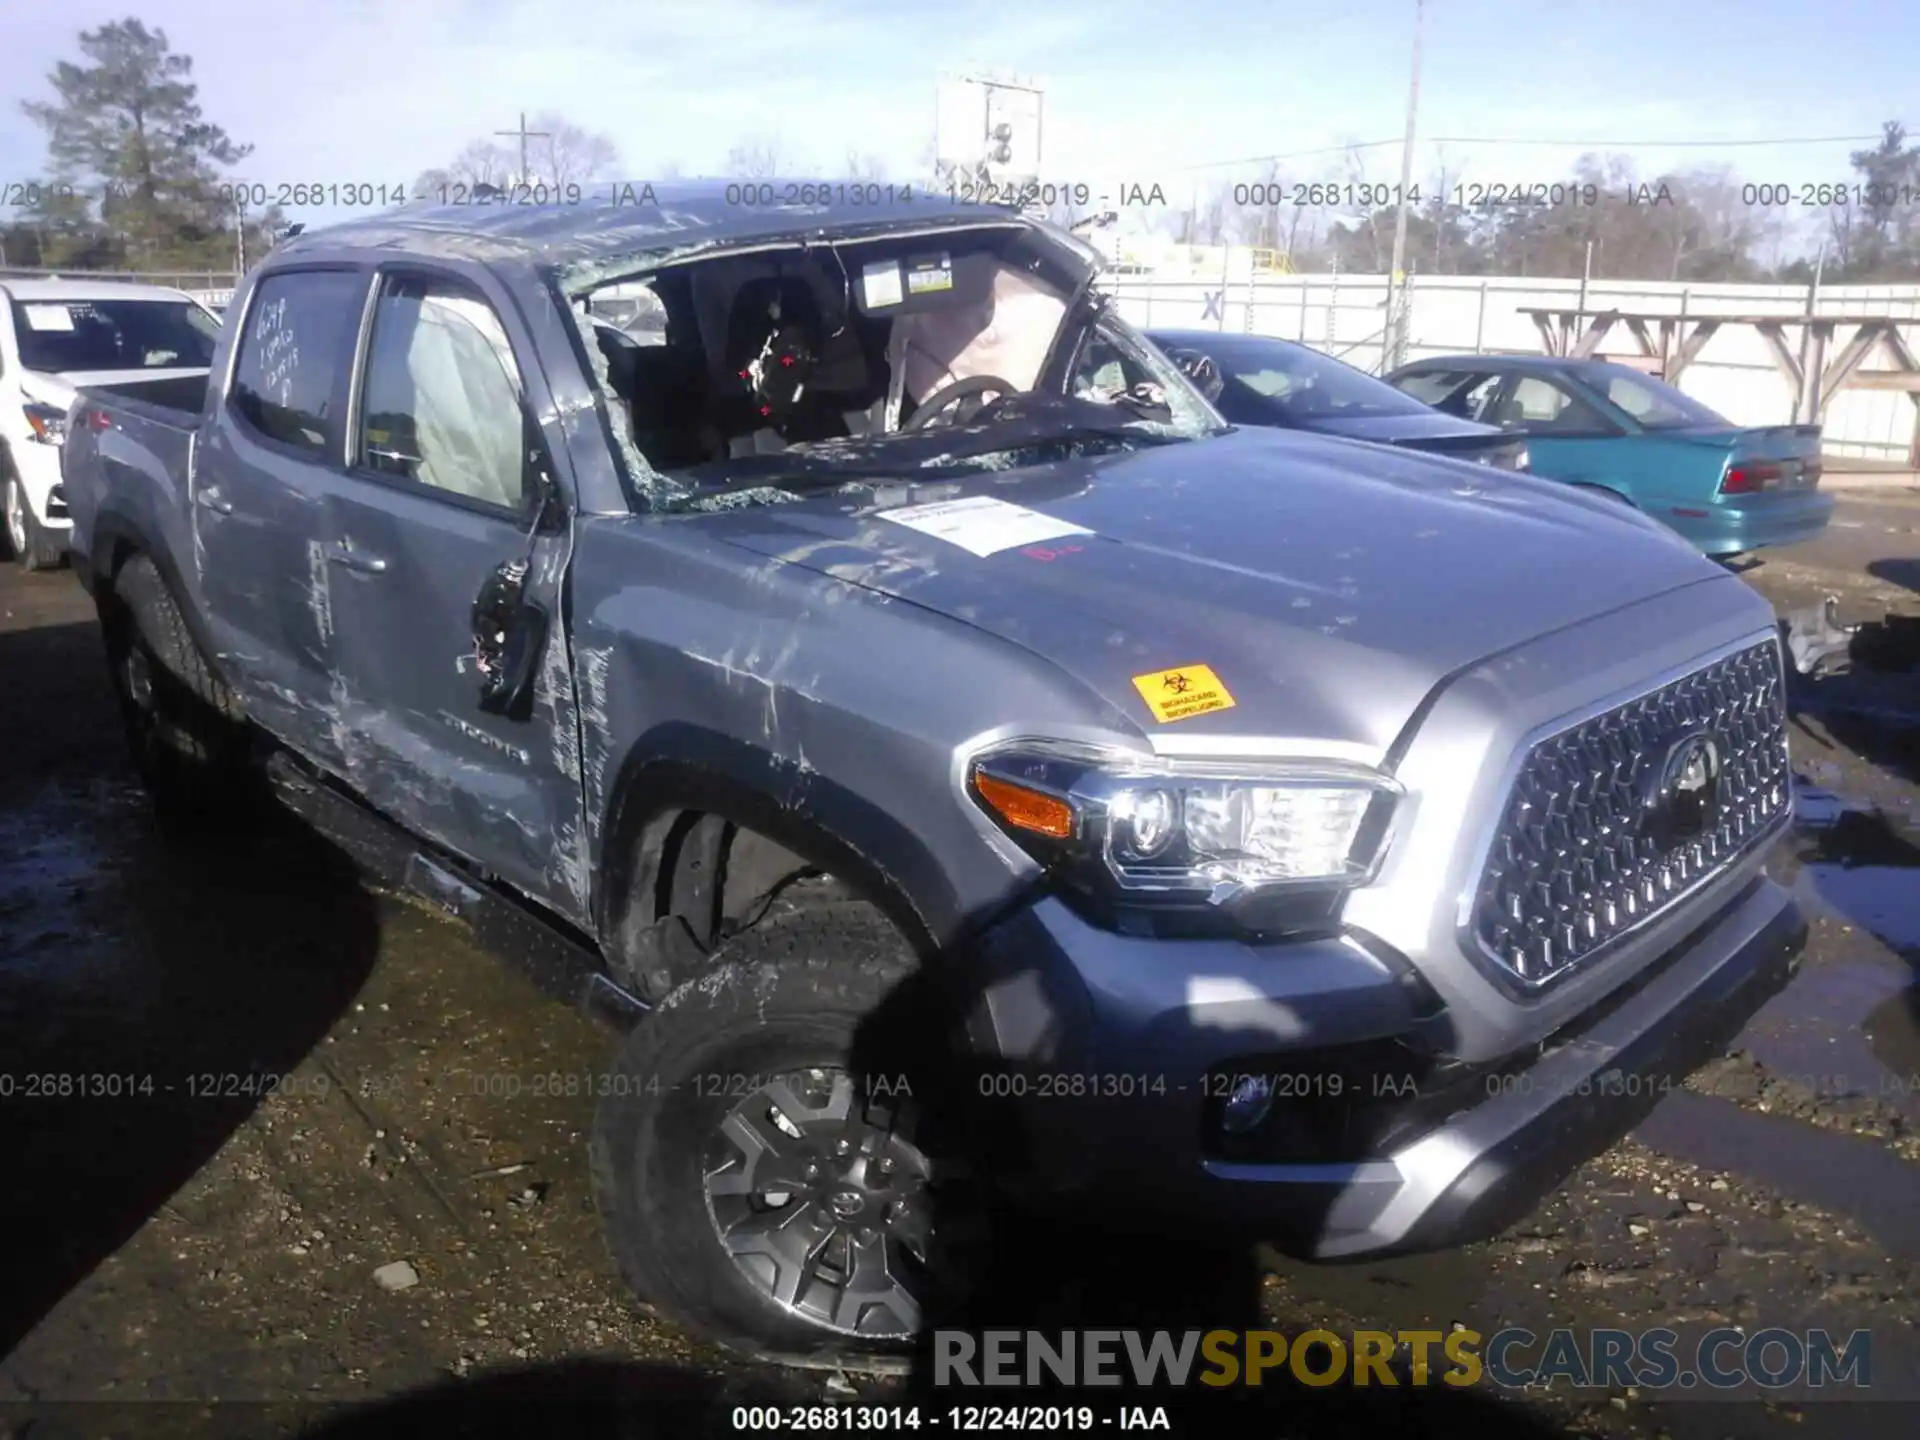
(210, 497)
(340, 553)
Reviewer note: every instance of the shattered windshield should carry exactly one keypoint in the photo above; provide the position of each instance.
(933, 355)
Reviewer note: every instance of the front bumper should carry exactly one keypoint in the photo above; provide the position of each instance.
(1111, 1050)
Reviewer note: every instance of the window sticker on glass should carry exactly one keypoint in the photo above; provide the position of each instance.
(929, 274)
(880, 284)
(48, 317)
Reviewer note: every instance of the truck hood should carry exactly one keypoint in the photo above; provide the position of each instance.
(1328, 584)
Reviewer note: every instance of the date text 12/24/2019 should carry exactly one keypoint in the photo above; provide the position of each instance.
(960, 1419)
(126, 1085)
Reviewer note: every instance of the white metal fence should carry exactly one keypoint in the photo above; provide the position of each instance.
(1345, 315)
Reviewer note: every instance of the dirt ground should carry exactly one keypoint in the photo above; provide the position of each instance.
(176, 1238)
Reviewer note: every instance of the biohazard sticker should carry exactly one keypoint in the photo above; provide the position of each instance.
(1183, 692)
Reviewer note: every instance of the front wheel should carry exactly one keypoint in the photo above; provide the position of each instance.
(765, 1177)
(34, 547)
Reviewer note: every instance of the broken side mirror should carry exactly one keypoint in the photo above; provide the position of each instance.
(509, 633)
(509, 626)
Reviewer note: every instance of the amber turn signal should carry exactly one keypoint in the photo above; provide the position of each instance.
(1025, 809)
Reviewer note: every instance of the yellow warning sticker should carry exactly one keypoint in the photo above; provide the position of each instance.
(1182, 693)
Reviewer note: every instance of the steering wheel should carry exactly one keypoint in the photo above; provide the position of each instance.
(951, 393)
(1198, 367)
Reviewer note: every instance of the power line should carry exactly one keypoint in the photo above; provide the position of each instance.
(1290, 155)
(1521, 140)
(1654, 144)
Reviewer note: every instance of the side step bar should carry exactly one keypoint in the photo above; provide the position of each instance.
(560, 965)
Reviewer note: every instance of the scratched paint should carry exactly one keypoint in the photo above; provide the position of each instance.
(595, 737)
(319, 591)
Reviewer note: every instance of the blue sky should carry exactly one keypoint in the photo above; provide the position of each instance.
(378, 90)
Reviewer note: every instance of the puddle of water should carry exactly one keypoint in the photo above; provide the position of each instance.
(1858, 864)
(1828, 1169)
(1852, 1018)
(1817, 1034)
(1893, 1033)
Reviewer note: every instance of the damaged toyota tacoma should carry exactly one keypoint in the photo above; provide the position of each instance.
(977, 779)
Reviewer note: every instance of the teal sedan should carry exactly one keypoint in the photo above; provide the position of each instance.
(1604, 427)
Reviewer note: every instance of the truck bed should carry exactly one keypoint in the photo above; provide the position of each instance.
(176, 399)
(146, 441)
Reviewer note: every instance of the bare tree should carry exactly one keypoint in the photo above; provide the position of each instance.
(566, 155)
(864, 165)
(560, 155)
(1363, 215)
(1208, 221)
(481, 163)
(761, 157)
(1261, 221)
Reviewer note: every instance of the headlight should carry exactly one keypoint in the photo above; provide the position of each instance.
(1270, 839)
(48, 423)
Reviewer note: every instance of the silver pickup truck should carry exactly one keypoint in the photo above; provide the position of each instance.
(901, 702)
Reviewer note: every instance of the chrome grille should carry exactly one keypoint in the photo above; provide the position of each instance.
(1585, 852)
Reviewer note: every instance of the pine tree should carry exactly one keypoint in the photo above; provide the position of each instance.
(127, 134)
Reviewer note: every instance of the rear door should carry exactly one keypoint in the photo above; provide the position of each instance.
(443, 495)
(258, 485)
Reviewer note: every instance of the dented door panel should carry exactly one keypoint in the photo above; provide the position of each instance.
(451, 485)
(261, 474)
(504, 792)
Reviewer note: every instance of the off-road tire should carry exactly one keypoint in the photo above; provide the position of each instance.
(186, 729)
(43, 548)
(786, 995)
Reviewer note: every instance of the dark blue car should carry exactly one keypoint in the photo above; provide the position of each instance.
(1262, 380)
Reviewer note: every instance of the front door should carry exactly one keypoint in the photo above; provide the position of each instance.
(443, 492)
(1568, 439)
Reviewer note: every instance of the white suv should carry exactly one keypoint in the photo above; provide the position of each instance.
(55, 336)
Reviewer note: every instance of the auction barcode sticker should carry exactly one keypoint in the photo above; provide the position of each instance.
(982, 524)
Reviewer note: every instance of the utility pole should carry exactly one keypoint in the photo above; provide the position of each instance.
(1396, 322)
(520, 177)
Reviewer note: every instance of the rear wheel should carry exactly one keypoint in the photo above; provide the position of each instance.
(767, 1178)
(189, 738)
(33, 546)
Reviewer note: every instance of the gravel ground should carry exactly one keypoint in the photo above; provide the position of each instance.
(402, 1216)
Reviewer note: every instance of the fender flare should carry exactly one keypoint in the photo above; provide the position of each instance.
(679, 767)
(113, 531)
